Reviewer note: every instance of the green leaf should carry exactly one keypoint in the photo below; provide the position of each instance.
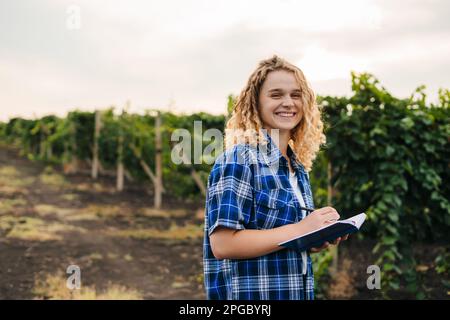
(394, 285)
(389, 241)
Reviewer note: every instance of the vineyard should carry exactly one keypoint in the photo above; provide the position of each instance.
(109, 144)
(104, 186)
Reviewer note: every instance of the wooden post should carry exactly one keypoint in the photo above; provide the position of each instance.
(158, 161)
(47, 143)
(49, 151)
(41, 141)
(73, 167)
(120, 169)
(145, 166)
(197, 179)
(128, 175)
(95, 161)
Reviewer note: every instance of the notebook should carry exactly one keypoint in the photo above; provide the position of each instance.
(316, 238)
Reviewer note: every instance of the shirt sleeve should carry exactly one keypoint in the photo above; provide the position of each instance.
(229, 193)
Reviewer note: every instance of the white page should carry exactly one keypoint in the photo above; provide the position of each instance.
(356, 220)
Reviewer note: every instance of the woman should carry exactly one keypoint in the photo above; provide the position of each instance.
(256, 188)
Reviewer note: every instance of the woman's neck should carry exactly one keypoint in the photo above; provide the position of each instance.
(281, 141)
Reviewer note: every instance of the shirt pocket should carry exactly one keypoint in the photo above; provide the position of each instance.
(273, 208)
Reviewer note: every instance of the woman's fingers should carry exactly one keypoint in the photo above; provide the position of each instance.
(327, 244)
(327, 214)
(331, 216)
(327, 210)
(336, 241)
(324, 246)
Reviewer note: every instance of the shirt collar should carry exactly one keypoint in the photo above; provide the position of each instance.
(272, 154)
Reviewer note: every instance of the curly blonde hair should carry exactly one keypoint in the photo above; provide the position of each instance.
(244, 125)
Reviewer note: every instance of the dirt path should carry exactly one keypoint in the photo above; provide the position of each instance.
(49, 221)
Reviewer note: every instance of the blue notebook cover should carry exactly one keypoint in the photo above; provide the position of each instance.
(317, 238)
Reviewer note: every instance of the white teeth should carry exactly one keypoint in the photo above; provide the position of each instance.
(285, 114)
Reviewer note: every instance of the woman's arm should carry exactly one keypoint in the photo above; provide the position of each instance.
(246, 244)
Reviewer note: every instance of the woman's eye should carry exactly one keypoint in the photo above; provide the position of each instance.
(275, 96)
(296, 96)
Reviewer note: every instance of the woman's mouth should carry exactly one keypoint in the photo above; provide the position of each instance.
(284, 114)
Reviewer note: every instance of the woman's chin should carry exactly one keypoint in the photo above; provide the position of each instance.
(285, 126)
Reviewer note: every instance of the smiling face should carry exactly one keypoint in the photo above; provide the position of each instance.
(280, 101)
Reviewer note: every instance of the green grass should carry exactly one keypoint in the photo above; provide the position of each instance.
(70, 197)
(161, 213)
(33, 229)
(54, 287)
(48, 209)
(188, 231)
(10, 176)
(8, 205)
(54, 180)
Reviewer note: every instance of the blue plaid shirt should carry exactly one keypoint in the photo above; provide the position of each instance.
(249, 188)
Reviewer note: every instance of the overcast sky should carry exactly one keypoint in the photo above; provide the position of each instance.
(189, 55)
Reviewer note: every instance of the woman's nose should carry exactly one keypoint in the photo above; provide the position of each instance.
(288, 102)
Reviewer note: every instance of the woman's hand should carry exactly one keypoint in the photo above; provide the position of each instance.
(327, 244)
(323, 247)
(319, 218)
